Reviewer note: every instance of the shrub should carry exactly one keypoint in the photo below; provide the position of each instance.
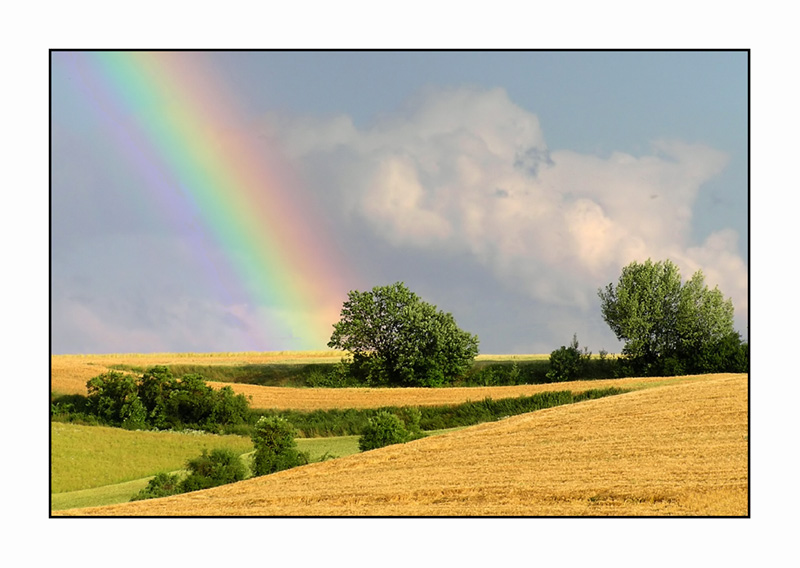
(276, 449)
(112, 397)
(219, 467)
(411, 416)
(383, 429)
(158, 400)
(566, 363)
(162, 485)
(728, 354)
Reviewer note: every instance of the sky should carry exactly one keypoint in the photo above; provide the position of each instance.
(228, 201)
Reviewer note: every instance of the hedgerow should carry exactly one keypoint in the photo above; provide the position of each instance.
(353, 422)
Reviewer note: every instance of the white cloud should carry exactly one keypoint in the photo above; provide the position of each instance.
(468, 170)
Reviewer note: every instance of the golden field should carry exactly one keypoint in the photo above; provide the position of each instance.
(69, 374)
(679, 447)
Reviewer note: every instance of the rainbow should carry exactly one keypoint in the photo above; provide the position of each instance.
(190, 137)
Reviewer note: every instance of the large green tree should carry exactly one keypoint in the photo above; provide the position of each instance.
(396, 338)
(667, 326)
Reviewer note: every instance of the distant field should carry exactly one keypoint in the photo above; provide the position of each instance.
(281, 398)
(69, 373)
(678, 448)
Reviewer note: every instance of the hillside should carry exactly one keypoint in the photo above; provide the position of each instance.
(678, 449)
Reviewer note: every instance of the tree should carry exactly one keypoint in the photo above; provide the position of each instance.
(665, 324)
(276, 448)
(396, 338)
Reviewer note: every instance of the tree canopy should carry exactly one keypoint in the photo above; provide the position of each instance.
(669, 327)
(397, 338)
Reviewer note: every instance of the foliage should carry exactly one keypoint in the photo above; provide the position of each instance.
(162, 485)
(220, 466)
(567, 363)
(276, 448)
(354, 421)
(384, 429)
(486, 410)
(159, 400)
(398, 339)
(337, 376)
(668, 327)
(111, 397)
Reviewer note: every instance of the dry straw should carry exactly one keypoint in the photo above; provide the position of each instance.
(675, 449)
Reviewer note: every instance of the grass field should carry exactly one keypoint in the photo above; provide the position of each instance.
(679, 447)
(83, 457)
(70, 467)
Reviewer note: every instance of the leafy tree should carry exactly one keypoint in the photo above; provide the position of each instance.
(396, 338)
(665, 324)
(276, 448)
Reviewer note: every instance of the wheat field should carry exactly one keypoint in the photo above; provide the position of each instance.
(675, 449)
(69, 374)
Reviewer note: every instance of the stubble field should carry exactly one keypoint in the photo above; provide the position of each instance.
(69, 374)
(676, 447)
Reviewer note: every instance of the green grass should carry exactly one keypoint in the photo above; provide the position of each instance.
(98, 496)
(317, 448)
(335, 446)
(83, 457)
(121, 492)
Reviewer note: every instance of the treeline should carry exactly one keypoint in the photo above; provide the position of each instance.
(335, 375)
(728, 355)
(158, 400)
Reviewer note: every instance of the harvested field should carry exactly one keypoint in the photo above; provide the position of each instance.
(70, 373)
(284, 398)
(676, 449)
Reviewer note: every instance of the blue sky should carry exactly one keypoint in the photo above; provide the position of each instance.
(504, 187)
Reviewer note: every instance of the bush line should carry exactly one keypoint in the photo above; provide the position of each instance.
(352, 422)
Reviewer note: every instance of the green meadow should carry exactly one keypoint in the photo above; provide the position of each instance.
(95, 465)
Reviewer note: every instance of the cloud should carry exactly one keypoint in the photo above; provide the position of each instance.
(468, 170)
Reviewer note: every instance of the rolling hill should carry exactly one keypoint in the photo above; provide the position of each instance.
(677, 449)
